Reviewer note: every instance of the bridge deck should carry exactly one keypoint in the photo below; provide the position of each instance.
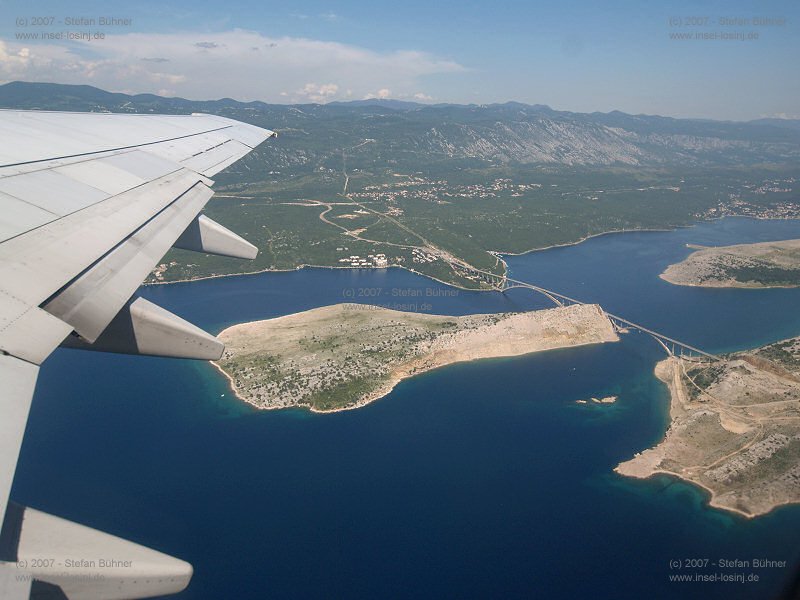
(509, 283)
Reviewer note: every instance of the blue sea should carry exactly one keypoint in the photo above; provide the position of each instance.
(478, 480)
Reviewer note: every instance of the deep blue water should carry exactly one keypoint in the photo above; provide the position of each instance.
(476, 480)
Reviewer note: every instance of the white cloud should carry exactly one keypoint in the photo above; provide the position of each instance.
(382, 93)
(240, 64)
(319, 93)
(423, 97)
(60, 64)
(13, 60)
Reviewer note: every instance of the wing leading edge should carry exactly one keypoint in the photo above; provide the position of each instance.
(89, 203)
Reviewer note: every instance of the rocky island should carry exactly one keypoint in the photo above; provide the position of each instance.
(766, 264)
(735, 428)
(593, 400)
(347, 355)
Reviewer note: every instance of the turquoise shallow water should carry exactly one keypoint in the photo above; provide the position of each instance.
(476, 480)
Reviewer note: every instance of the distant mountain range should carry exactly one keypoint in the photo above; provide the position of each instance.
(413, 135)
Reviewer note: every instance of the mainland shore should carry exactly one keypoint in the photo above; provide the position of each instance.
(734, 430)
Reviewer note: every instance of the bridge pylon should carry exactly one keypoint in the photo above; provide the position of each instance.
(620, 323)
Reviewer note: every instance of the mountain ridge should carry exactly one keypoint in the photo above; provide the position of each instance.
(409, 133)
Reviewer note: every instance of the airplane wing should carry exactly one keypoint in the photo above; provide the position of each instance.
(89, 203)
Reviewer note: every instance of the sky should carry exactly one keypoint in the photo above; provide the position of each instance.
(581, 56)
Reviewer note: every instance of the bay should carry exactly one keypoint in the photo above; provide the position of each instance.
(481, 479)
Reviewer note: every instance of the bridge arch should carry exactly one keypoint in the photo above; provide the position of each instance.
(560, 299)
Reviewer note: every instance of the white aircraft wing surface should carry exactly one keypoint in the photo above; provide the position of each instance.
(89, 203)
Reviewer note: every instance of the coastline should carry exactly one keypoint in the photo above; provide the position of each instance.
(388, 386)
(497, 253)
(362, 403)
(486, 341)
(727, 284)
(646, 463)
(646, 229)
(307, 266)
(592, 236)
(643, 465)
(709, 267)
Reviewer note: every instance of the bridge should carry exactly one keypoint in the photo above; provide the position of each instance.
(672, 346)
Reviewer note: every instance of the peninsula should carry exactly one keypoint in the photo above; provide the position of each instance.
(766, 264)
(347, 355)
(735, 428)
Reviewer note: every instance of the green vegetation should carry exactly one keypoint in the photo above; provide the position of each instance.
(342, 393)
(785, 354)
(346, 355)
(765, 275)
(765, 264)
(456, 182)
(703, 377)
(295, 223)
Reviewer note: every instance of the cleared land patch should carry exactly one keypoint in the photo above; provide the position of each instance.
(735, 428)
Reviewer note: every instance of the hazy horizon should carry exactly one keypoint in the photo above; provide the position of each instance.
(723, 61)
(401, 100)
